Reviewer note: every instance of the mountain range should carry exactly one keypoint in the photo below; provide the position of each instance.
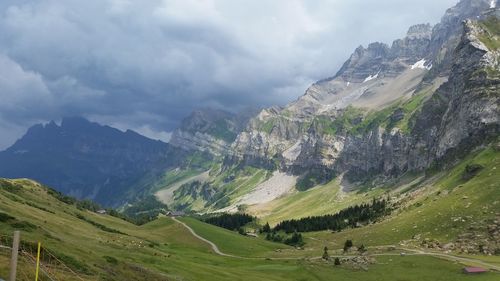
(84, 159)
(421, 104)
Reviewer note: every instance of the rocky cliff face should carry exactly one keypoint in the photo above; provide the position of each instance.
(210, 130)
(425, 100)
(461, 115)
(447, 33)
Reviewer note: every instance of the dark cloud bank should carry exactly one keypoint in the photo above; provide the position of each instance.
(145, 65)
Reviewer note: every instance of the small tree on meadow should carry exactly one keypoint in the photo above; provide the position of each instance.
(347, 245)
(337, 261)
(326, 256)
(266, 228)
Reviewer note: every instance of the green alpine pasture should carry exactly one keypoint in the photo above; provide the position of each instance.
(442, 208)
(166, 250)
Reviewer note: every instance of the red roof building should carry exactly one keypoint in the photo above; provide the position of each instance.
(474, 270)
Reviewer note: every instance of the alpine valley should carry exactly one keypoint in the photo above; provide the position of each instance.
(398, 152)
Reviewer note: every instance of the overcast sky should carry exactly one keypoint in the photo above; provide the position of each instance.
(144, 65)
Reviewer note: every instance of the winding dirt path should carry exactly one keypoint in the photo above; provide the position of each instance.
(408, 252)
(212, 244)
(452, 257)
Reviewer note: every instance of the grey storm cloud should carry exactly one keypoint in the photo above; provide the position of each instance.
(145, 65)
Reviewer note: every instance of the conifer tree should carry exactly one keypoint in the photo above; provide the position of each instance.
(347, 245)
(326, 256)
(266, 228)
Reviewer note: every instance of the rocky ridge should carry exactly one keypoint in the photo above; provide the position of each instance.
(210, 130)
(85, 159)
(436, 92)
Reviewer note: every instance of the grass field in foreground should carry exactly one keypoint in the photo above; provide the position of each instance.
(165, 250)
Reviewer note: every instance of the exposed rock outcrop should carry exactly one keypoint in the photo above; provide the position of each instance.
(210, 130)
(448, 75)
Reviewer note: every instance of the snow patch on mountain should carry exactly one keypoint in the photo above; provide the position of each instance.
(421, 64)
(371, 77)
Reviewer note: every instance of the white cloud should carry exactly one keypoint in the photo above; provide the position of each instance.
(151, 133)
(20, 90)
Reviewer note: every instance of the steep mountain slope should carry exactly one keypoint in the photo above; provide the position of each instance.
(85, 159)
(390, 112)
(454, 211)
(381, 114)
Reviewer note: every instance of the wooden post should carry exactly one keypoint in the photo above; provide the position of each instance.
(13, 258)
(38, 261)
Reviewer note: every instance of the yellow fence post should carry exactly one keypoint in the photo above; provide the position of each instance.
(38, 261)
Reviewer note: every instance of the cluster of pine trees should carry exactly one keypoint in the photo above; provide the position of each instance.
(230, 221)
(272, 235)
(295, 240)
(346, 218)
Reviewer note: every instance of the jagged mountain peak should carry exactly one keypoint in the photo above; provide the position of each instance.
(418, 31)
(314, 129)
(76, 123)
(74, 128)
(357, 122)
(84, 159)
(364, 76)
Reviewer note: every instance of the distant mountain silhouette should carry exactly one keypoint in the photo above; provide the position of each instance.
(85, 159)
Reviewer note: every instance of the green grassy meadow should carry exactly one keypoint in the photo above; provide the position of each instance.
(440, 210)
(165, 250)
(320, 200)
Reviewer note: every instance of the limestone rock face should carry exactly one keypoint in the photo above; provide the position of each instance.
(415, 45)
(448, 62)
(447, 33)
(356, 122)
(210, 130)
(462, 114)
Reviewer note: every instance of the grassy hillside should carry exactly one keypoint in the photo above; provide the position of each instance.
(320, 200)
(160, 250)
(222, 189)
(442, 208)
(232, 242)
(101, 247)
